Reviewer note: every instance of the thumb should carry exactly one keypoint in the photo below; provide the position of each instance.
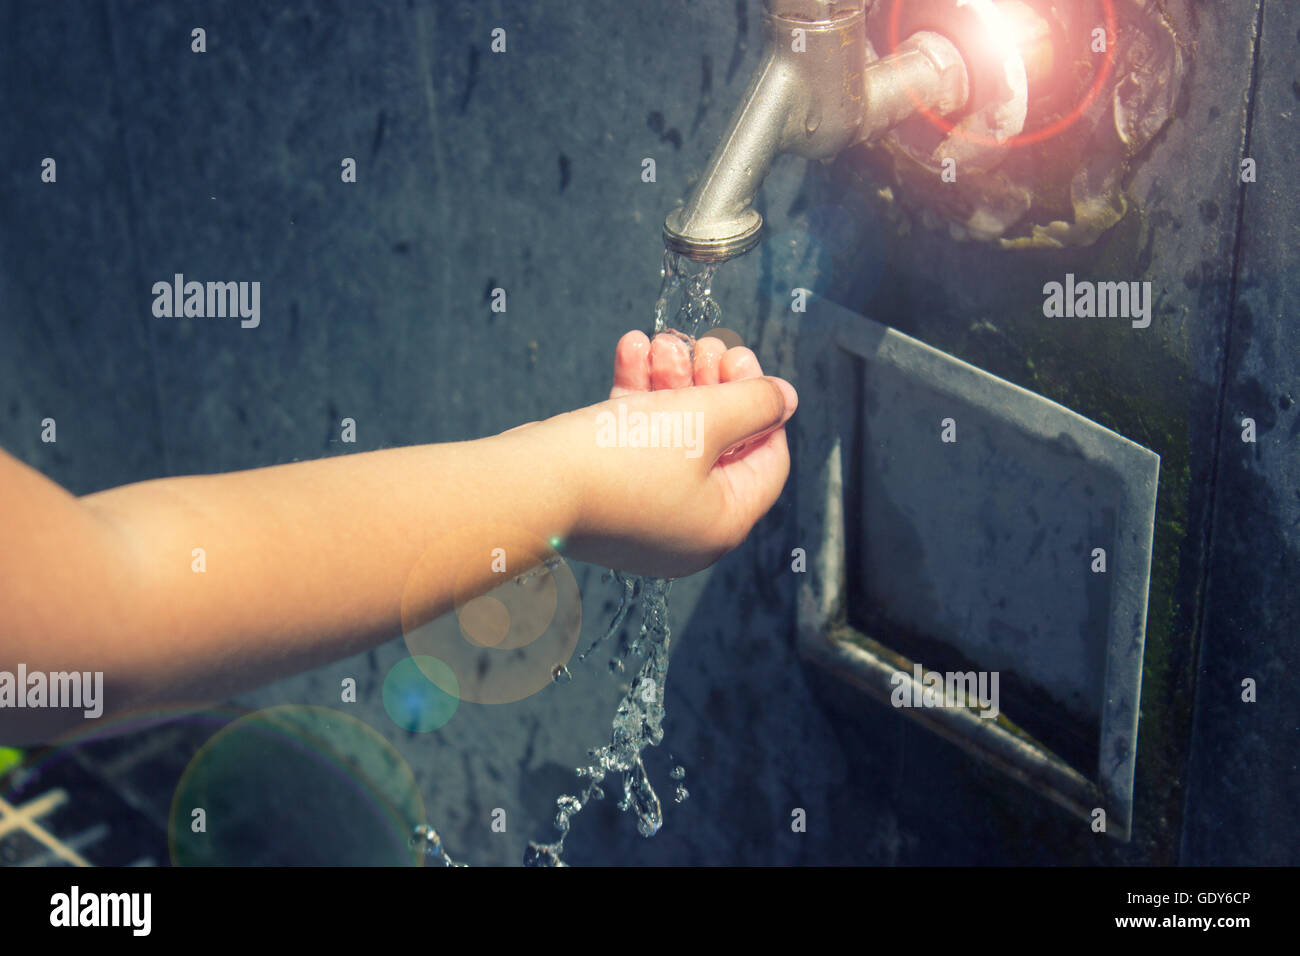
(746, 409)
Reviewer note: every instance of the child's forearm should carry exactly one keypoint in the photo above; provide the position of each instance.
(189, 589)
(301, 563)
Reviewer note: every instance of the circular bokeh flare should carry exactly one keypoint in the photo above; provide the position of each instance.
(503, 645)
(292, 786)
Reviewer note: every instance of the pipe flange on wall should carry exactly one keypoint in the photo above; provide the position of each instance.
(1103, 77)
(996, 70)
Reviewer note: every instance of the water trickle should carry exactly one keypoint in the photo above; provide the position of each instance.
(628, 585)
(638, 719)
(546, 567)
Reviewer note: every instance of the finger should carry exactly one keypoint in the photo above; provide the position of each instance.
(708, 356)
(739, 363)
(631, 364)
(670, 362)
(744, 410)
(756, 478)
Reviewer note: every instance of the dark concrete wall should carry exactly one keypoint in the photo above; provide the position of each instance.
(523, 171)
(1243, 759)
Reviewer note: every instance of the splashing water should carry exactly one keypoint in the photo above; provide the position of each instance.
(679, 774)
(638, 720)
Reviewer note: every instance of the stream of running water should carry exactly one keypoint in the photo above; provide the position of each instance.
(685, 307)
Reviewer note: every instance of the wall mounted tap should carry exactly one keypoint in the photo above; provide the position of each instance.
(961, 85)
(821, 87)
(818, 89)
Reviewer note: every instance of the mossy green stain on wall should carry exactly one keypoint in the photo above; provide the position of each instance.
(1134, 382)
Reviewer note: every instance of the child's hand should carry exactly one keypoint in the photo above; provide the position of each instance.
(708, 460)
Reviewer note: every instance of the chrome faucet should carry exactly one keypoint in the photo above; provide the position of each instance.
(819, 88)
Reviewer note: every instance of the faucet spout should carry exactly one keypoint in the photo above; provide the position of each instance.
(805, 97)
(719, 221)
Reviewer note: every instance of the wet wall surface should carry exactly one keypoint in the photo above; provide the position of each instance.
(522, 171)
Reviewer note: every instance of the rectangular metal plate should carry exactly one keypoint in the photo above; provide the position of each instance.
(976, 553)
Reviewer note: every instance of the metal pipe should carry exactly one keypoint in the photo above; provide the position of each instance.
(719, 221)
(927, 72)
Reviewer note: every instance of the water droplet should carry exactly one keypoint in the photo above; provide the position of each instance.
(680, 794)
(678, 772)
(543, 854)
(433, 850)
(560, 674)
